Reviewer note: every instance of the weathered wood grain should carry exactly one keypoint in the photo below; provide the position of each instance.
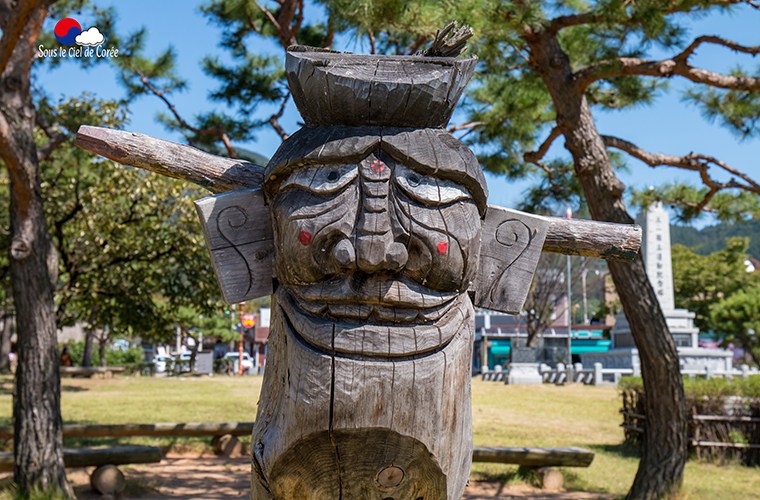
(314, 440)
(157, 429)
(89, 457)
(238, 229)
(605, 240)
(333, 88)
(511, 244)
(216, 173)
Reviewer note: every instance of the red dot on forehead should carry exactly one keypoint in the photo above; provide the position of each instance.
(443, 247)
(377, 166)
(304, 237)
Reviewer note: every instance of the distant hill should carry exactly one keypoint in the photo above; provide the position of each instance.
(712, 238)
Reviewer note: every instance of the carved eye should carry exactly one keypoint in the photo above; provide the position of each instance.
(429, 190)
(321, 179)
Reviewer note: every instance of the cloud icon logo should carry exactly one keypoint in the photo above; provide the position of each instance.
(91, 38)
(67, 30)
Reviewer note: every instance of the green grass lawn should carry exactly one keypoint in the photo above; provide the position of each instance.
(503, 415)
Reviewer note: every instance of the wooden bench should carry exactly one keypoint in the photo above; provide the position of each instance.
(538, 462)
(224, 434)
(106, 478)
(91, 371)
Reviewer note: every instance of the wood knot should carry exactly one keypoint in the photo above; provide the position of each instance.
(13, 83)
(20, 249)
(390, 477)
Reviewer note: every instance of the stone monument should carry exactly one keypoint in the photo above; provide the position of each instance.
(657, 258)
(523, 367)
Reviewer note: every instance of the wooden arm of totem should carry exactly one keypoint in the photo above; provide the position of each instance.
(219, 174)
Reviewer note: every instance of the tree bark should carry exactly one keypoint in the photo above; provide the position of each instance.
(6, 332)
(664, 453)
(38, 433)
(89, 337)
(102, 343)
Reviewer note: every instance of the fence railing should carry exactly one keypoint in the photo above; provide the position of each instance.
(599, 375)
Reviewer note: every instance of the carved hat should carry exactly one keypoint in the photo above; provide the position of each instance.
(356, 104)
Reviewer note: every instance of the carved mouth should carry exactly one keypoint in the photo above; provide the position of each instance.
(374, 330)
(374, 299)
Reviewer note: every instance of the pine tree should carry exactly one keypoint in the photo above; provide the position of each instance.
(546, 68)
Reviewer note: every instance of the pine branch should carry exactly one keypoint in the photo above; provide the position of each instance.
(55, 138)
(372, 48)
(283, 23)
(465, 126)
(538, 154)
(269, 16)
(179, 161)
(598, 16)
(688, 51)
(274, 120)
(676, 65)
(694, 162)
(217, 132)
(414, 47)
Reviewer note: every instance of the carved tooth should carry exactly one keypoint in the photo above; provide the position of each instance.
(312, 307)
(395, 314)
(433, 313)
(350, 311)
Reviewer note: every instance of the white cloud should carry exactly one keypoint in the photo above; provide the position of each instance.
(91, 37)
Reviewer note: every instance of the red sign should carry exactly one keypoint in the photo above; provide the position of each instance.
(249, 320)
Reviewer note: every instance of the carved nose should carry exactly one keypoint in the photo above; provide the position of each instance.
(344, 254)
(375, 253)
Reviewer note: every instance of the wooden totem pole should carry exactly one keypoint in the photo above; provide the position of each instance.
(370, 227)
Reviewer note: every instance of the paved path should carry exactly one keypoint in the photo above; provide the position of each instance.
(188, 477)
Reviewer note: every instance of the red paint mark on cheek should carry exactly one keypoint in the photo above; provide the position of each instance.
(377, 166)
(304, 237)
(443, 247)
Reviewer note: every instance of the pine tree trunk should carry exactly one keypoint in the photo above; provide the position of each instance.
(664, 453)
(6, 332)
(89, 337)
(102, 344)
(38, 433)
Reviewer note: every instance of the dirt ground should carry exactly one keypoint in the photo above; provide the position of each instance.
(208, 477)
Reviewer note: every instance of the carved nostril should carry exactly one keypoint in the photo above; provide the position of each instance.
(375, 255)
(344, 254)
(397, 256)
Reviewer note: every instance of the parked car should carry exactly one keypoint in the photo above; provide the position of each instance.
(247, 360)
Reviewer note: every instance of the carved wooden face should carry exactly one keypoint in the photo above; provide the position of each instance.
(375, 244)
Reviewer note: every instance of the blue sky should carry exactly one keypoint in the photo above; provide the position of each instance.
(668, 126)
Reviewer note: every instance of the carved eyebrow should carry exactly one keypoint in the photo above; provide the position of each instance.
(321, 179)
(429, 189)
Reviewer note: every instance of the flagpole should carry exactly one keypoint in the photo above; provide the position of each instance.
(569, 215)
